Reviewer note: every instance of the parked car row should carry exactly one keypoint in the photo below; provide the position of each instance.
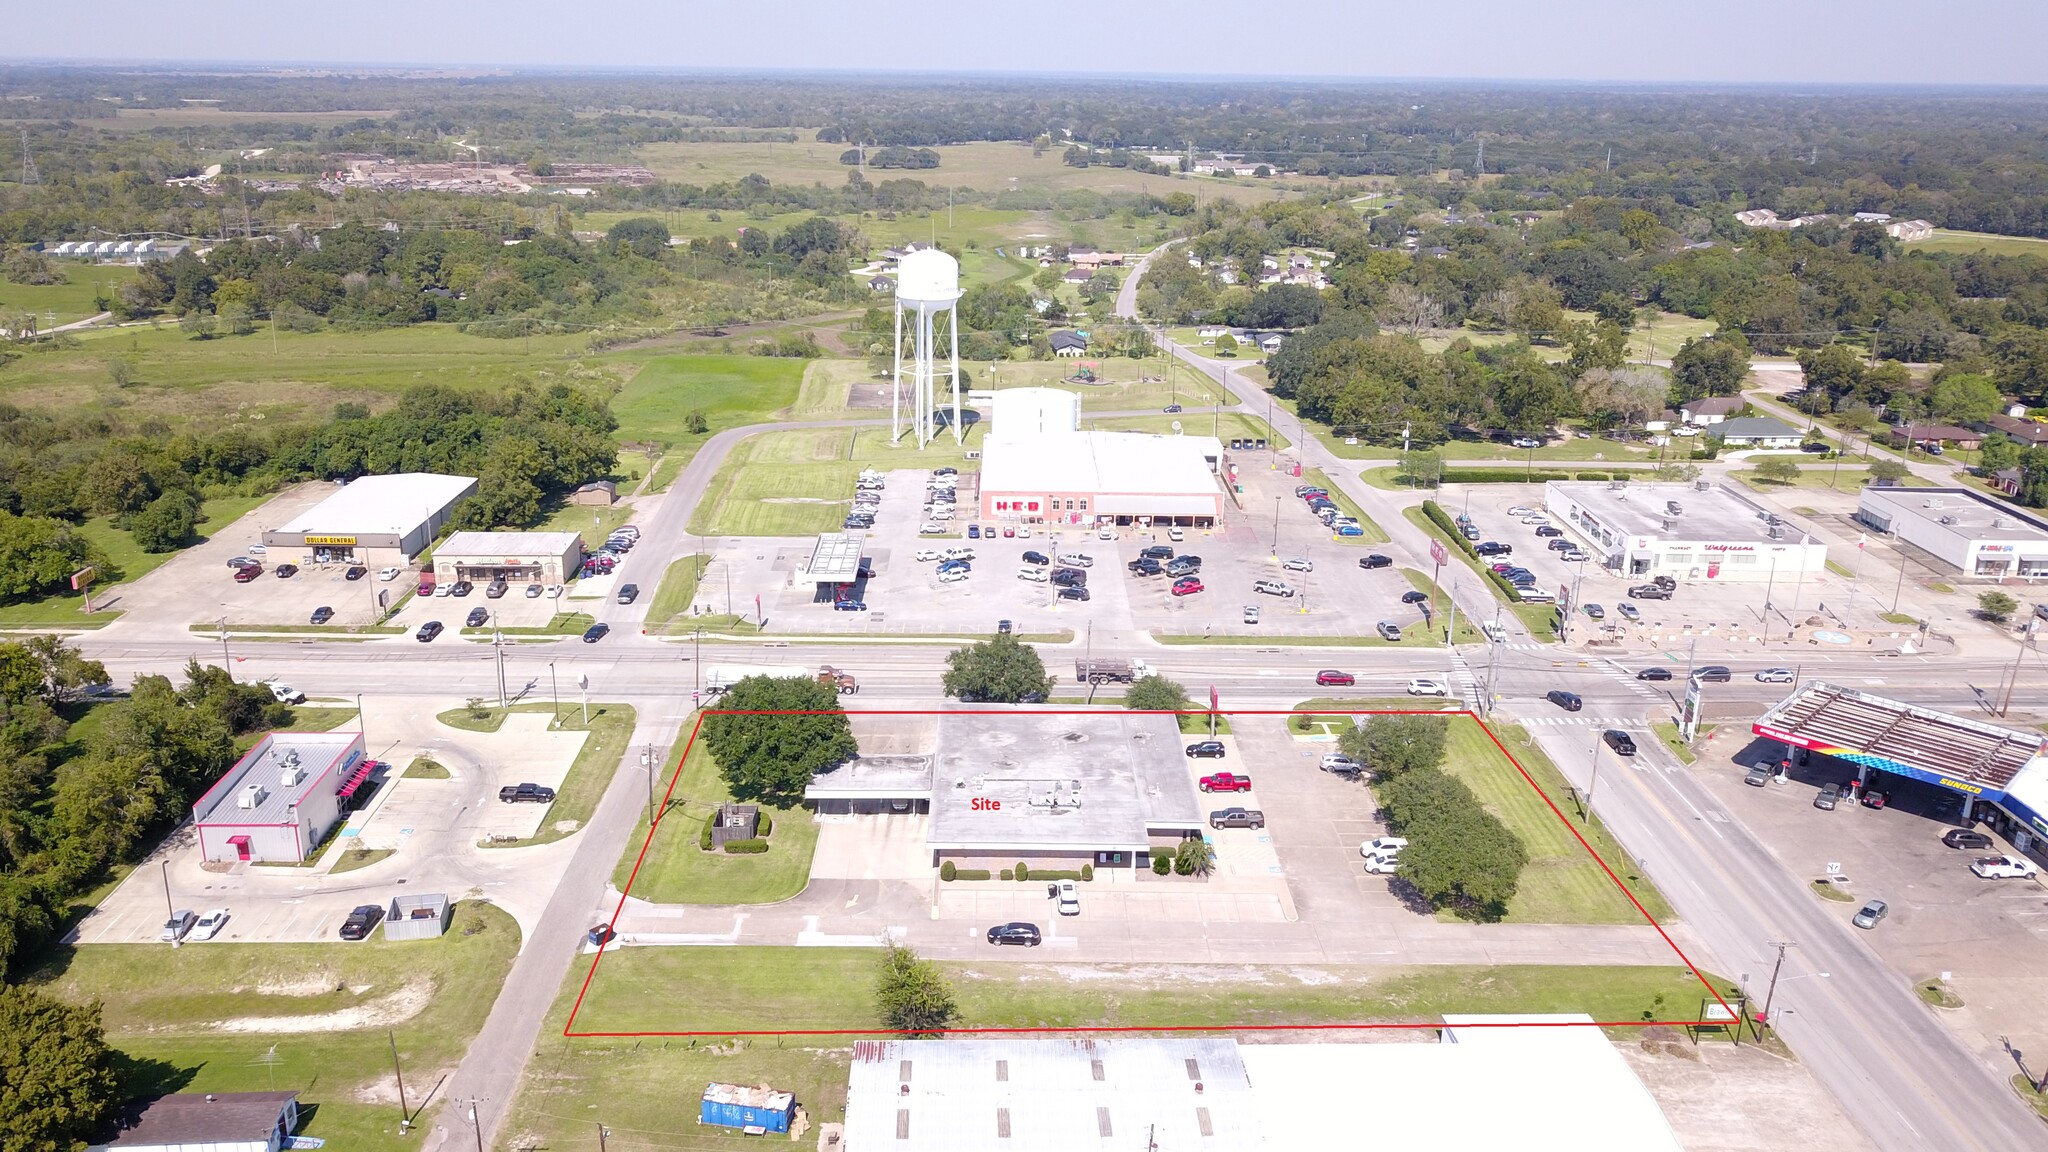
(1326, 509)
(867, 500)
(941, 493)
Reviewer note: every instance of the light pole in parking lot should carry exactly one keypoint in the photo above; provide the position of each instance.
(555, 687)
(1594, 786)
(1276, 527)
(226, 664)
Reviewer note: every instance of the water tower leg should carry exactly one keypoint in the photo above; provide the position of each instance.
(896, 383)
(953, 330)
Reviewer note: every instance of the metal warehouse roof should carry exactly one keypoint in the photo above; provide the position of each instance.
(956, 1095)
(1102, 462)
(1953, 751)
(395, 504)
(317, 757)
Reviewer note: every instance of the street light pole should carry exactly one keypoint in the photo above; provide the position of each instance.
(555, 687)
(2025, 638)
(477, 1125)
(1276, 527)
(1595, 785)
(1780, 945)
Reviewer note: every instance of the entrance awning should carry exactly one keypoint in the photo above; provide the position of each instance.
(356, 780)
(238, 841)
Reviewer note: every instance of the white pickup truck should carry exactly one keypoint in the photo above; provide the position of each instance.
(2004, 867)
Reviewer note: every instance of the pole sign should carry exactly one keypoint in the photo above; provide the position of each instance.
(1438, 554)
(1689, 713)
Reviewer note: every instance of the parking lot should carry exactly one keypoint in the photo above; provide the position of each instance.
(1988, 935)
(512, 610)
(1334, 597)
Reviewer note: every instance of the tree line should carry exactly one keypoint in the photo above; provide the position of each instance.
(1459, 856)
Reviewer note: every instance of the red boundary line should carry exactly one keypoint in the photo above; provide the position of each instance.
(568, 1027)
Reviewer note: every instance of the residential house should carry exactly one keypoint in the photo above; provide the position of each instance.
(1078, 276)
(1946, 435)
(1907, 231)
(1270, 263)
(2007, 480)
(1758, 432)
(1067, 343)
(1756, 218)
(209, 1122)
(1813, 220)
(2026, 433)
(1297, 262)
(600, 493)
(1436, 252)
(1873, 217)
(1208, 333)
(881, 284)
(1711, 409)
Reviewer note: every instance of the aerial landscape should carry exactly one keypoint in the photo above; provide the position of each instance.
(636, 581)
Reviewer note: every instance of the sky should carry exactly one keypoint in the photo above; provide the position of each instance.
(1728, 41)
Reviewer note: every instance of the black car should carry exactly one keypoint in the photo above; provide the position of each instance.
(526, 794)
(601, 935)
(1038, 558)
(1664, 582)
(628, 593)
(1569, 701)
(1650, 592)
(462, 588)
(1713, 674)
(595, 632)
(1075, 592)
(1069, 578)
(1157, 552)
(428, 631)
(1145, 566)
(362, 921)
(1546, 531)
(1620, 741)
(322, 614)
(1016, 932)
(1375, 561)
(1206, 750)
(1494, 548)
(1966, 838)
(356, 572)
(478, 617)
(287, 571)
(243, 562)
(1413, 597)
(1654, 674)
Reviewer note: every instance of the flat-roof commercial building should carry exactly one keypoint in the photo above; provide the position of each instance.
(1035, 411)
(514, 557)
(1060, 789)
(1684, 531)
(280, 799)
(1099, 478)
(375, 521)
(1972, 533)
(2005, 769)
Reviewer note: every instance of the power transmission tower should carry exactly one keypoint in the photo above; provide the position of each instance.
(29, 175)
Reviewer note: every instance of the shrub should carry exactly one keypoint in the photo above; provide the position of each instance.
(1023, 872)
(971, 873)
(949, 871)
(1161, 865)
(746, 847)
(704, 836)
(1087, 871)
(766, 826)
(1008, 874)
(1055, 874)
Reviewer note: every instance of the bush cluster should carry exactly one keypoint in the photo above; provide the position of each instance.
(1442, 519)
(746, 847)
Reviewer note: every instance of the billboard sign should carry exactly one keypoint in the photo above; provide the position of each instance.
(1689, 712)
(1438, 554)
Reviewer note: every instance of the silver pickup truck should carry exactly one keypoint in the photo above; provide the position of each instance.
(1237, 818)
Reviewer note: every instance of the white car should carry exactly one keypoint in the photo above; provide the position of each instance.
(1175, 535)
(1338, 762)
(1298, 564)
(1774, 676)
(952, 576)
(1034, 574)
(1494, 632)
(1427, 688)
(1527, 442)
(388, 574)
(209, 925)
(1384, 846)
(1383, 865)
(1685, 431)
(957, 553)
(1069, 899)
(1023, 532)
(286, 694)
(257, 550)
(554, 591)
(931, 528)
(1521, 510)
(1076, 560)
(1251, 613)
(927, 555)
(2004, 868)
(1106, 534)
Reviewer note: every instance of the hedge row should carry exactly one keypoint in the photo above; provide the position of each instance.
(746, 847)
(950, 871)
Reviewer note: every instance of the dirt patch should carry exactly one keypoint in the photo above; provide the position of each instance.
(315, 983)
(567, 825)
(383, 1012)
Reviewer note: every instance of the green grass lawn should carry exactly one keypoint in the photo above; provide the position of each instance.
(1468, 633)
(163, 1008)
(1539, 619)
(595, 522)
(1562, 884)
(801, 481)
(128, 558)
(69, 300)
(1953, 240)
(1225, 426)
(678, 588)
(677, 872)
(1122, 385)
(1668, 733)
(1573, 450)
(1850, 477)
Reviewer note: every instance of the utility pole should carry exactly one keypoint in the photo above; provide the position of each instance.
(555, 687)
(476, 1124)
(404, 1112)
(1276, 527)
(647, 762)
(2025, 639)
(1493, 665)
(226, 664)
(1770, 582)
(1595, 785)
(498, 654)
(1780, 945)
(602, 1133)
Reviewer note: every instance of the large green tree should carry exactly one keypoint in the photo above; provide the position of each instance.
(771, 734)
(57, 1078)
(912, 995)
(1459, 855)
(999, 670)
(1155, 693)
(1714, 366)
(644, 235)
(1391, 745)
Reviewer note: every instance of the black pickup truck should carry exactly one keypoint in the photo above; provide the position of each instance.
(526, 794)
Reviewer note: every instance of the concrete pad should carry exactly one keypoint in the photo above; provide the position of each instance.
(873, 848)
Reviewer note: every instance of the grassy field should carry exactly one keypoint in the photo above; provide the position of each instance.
(799, 482)
(1572, 449)
(284, 376)
(1950, 240)
(678, 588)
(1850, 477)
(595, 522)
(120, 548)
(69, 300)
(164, 1009)
(708, 989)
(1439, 603)
(1123, 385)
(986, 166)
(1562, 884)
(1225, 426)
(1539, 619)
(677, 872)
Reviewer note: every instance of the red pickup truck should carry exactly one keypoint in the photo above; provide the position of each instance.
(1224, 782)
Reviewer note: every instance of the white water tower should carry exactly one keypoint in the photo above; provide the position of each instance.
(927, 287)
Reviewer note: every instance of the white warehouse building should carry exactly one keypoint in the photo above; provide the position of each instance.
(1684, 531)
(1972, 533)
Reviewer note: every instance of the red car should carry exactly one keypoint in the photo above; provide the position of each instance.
(1186, 586)
(244, 575)
(1329, 676)
(1224, 782)
(1874, 799)
(426, 586)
